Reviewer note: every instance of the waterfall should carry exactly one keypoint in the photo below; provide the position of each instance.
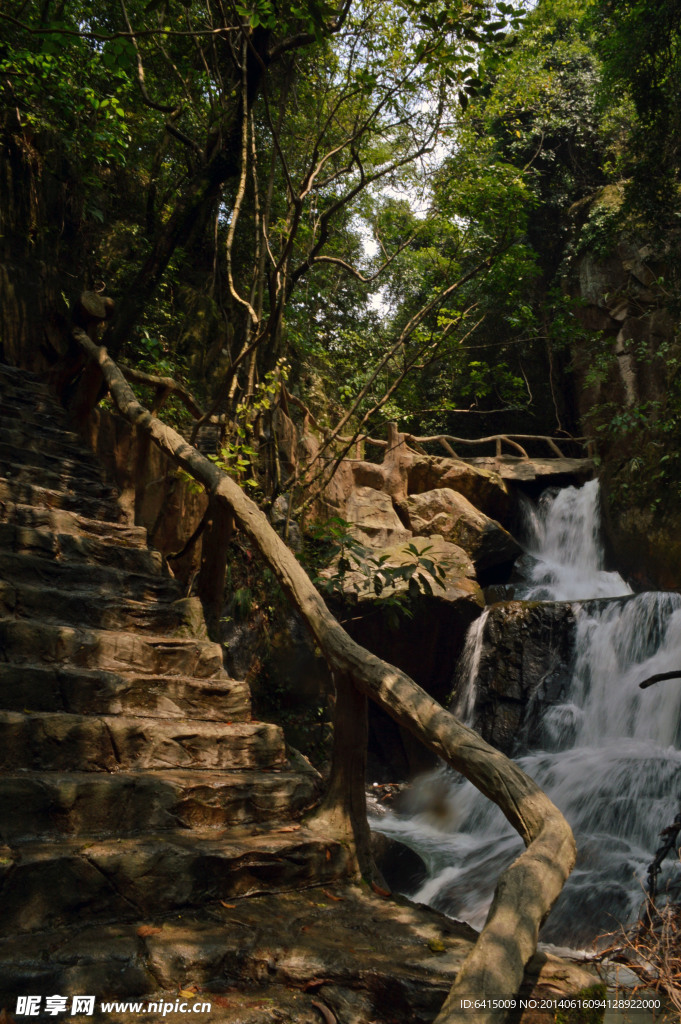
(468, 668)
(610, 759)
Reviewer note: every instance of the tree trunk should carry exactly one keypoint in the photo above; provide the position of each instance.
(343, 810)
(211, 584)
(527, 889)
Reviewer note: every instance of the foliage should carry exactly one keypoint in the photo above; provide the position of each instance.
(355, 572)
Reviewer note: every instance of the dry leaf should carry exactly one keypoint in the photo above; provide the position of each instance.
(328, 854)
(147, 929)
(230, 906)
(288, 828)
(336, 899)
(188, 993)
(436, 946)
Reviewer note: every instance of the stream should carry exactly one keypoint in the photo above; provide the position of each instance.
(609, 752)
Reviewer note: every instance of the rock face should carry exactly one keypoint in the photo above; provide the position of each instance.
(452, 516)
(524, 666)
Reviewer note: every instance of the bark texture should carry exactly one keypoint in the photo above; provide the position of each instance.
(526, 891)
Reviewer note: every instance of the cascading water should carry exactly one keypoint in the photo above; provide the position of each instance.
(611, 759)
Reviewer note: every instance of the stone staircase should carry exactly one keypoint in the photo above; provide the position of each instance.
(135, 787)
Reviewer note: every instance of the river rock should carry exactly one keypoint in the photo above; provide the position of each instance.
(403, 869)
(524, 667)
(452, 516)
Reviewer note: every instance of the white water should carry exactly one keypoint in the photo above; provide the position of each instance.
(611, 758)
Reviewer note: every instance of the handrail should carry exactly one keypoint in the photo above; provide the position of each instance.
(446, 440)
(525, 891)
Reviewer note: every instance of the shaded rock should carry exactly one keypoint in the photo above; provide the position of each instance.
(374, 520)
(452, 516)
(403, 869)
(425, 644)
(524, 668)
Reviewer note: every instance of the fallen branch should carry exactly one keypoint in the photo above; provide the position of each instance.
(659, 678)
(527, 889)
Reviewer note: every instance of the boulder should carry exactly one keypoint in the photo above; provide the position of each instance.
(450, 515)
(525, 667)
(483, 486)
(374, 519)
(424, 642)
(458, 582)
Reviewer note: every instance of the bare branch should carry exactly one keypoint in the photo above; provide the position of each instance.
(659, 678)
(164, 107)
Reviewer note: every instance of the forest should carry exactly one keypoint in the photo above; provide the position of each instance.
(367, 273)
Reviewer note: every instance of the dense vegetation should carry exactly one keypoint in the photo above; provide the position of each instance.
(382, 207)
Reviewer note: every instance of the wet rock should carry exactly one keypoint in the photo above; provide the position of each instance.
(524, 668)
(403, 869)
(452, 516)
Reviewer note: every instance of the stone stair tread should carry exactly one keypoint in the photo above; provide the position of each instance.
(133, 571)
(52, 804)
(40, 548)
(48, 884)
(62, 741)
(28, 492)
(64, 480)
(61, 522)
(111, 650)
(80, 465)
(52, 429)
(95, 692)
(87, 607)
(54, 444)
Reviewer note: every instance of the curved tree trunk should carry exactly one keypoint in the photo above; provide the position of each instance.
(527, 889)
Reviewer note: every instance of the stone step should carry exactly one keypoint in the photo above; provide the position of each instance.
(50, 885)
(59, 521)
(44, 545)
(29, 394)
(98, 581)
(31, 642)
(53, 428)
(48, 459)
(91, 607)
(26, 492)
(86, 692)
(76, 480)
(15, 375)
(57, 741)
(47, 805)
(54, 442)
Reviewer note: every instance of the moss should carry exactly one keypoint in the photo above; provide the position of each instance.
(582, 1014)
